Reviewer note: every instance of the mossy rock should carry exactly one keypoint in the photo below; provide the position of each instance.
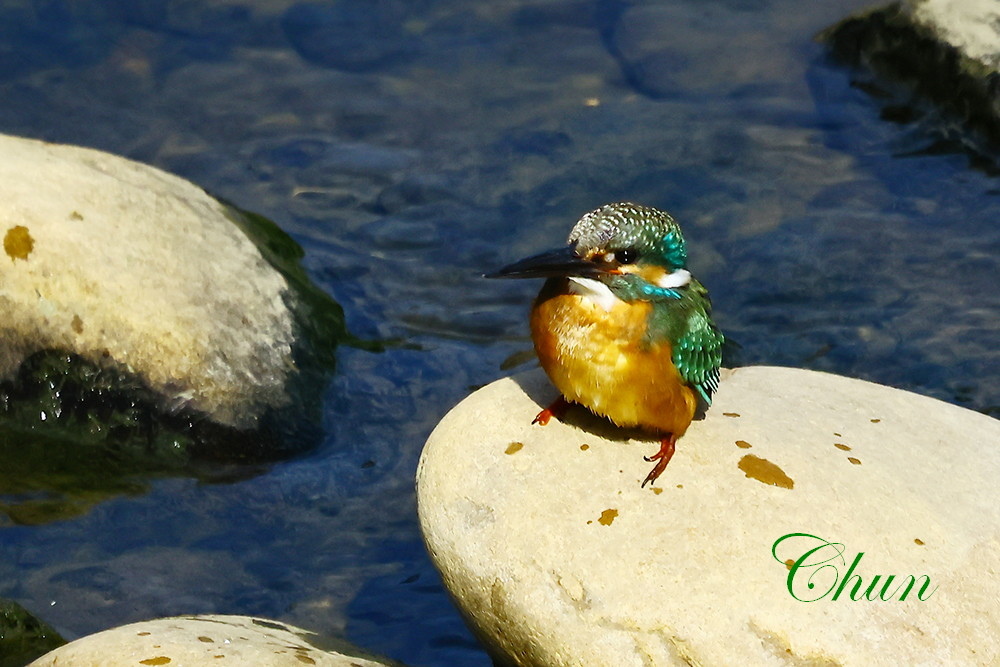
(929, 60)
(152, 330)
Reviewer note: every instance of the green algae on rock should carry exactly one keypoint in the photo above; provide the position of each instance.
(22, 636)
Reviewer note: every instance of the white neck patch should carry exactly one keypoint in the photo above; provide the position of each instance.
(678, 278)
(595, 291)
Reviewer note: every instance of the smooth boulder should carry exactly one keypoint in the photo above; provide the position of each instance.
(206, 640)
(556, 556)
(119, 262)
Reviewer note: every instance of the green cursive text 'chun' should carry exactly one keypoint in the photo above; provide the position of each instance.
(817, 572)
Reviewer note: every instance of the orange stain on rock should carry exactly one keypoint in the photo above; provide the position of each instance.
(764, 471)
(17, 242)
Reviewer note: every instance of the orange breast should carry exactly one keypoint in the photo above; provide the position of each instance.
(597, 358)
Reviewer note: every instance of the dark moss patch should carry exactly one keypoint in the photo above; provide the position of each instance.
(73, 433)
(22, 636)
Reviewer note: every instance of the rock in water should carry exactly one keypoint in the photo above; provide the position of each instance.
(556, 555)
(945, 53)
(133, 304)
(209, 640)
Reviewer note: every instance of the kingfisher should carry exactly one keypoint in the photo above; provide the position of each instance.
(621, 326)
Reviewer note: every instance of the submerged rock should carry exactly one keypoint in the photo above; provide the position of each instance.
(355, 37)
(557, 556)
(203, 640)
(145, 317)
(945, 53)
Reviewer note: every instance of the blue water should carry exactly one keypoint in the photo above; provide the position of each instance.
(411, 146)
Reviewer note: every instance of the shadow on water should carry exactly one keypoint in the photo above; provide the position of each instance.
(377, 619)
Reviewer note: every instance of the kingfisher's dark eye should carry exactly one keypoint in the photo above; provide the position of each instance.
(626, 256)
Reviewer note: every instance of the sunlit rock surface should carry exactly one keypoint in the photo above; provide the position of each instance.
(972, 27)
(946, 52)
(204, 640)
(556, 556)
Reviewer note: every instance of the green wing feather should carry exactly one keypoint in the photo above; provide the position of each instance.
(686, 321)
(698, 354)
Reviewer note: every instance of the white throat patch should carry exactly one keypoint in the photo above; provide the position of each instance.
(595, 291)
(678, 278)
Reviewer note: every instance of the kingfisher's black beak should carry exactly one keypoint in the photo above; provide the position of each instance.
(551, 264)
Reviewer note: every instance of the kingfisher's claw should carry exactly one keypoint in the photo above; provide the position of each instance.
(661, 457)
(557, 409)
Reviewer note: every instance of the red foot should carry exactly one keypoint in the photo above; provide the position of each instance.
(661, 457)
(557, 410)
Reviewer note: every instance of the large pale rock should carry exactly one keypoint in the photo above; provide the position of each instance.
(204, 640)
(111, 259)
(556, 556)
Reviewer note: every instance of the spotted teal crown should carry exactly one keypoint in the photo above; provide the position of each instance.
(624, 225)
